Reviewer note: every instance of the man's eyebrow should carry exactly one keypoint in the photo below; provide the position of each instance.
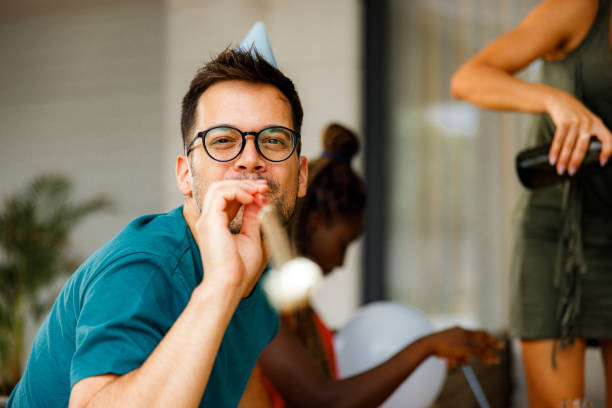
(268, 125)
(214, 125)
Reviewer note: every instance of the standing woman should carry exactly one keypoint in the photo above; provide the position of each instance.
(561, 284)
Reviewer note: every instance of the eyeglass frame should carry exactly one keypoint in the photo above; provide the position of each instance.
(296, 138)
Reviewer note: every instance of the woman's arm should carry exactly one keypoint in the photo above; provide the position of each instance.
(301, 383)
(552, 30)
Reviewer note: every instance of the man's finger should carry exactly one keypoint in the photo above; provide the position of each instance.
(250, 218)
(241, 191)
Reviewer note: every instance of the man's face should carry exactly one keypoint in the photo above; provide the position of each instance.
(250, 108)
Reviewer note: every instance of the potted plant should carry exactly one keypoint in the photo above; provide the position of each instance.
(35, 225)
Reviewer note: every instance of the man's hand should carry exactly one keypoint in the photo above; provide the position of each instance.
(457, 344)
(177, 371)
(231, 260)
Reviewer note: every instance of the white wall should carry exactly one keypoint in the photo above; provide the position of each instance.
(80, 94)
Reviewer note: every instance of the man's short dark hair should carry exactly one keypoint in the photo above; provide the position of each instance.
(233, 64)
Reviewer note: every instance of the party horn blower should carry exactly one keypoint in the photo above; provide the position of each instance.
(292, 279)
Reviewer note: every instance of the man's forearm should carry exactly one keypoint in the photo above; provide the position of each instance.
(177, 371)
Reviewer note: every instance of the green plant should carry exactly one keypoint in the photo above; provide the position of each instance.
(35, 225)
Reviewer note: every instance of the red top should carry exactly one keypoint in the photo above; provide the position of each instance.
(327, 338)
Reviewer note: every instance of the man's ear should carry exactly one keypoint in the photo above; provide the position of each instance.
(183, 176)
(303, 177)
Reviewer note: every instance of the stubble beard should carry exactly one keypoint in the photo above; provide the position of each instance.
(285, 202)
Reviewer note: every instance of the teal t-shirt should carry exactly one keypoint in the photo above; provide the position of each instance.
(118, 305)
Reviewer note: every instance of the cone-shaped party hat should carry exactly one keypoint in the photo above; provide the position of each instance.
(258, 39)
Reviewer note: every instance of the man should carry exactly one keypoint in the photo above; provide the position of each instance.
(170, 312)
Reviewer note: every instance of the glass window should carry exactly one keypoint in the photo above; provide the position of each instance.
(452, 186)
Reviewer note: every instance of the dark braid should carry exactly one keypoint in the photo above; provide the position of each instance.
(303, 325)
(335, 191)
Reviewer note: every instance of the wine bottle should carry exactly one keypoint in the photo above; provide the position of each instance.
(534, 170)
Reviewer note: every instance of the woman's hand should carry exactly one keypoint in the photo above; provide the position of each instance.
(575, 126)
(457, 344)
(552, 30)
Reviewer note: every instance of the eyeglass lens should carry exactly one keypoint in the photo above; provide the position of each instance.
(224, 143)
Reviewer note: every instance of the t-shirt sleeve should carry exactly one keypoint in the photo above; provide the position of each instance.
(125, 312)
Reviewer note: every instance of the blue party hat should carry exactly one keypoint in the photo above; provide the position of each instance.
(258, 39)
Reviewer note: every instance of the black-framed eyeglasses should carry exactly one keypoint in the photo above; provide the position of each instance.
(225, 143)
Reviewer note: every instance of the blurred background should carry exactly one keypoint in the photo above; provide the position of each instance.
(92, 89)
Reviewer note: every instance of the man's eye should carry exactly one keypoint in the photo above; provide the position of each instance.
(221, 141)
(276, 142)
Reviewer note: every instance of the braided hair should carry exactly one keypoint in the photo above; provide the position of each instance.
(335, 192)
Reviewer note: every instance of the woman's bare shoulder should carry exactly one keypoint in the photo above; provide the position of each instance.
(572, 19)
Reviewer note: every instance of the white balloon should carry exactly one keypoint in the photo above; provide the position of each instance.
(378, 331)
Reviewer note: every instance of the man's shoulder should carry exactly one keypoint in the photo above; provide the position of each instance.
(162, 237)
(149, 244)
(156, 231)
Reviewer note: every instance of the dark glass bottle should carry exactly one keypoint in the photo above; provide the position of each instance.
(534, 171)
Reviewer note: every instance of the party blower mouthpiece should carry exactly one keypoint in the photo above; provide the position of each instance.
(292, 279)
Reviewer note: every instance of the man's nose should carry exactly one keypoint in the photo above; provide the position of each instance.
(250, 160)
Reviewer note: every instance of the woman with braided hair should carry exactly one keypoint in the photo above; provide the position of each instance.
(299, 364)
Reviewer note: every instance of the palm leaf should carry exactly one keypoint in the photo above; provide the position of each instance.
(35, 225)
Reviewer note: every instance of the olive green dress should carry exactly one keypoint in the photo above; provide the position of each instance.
(561, 278)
